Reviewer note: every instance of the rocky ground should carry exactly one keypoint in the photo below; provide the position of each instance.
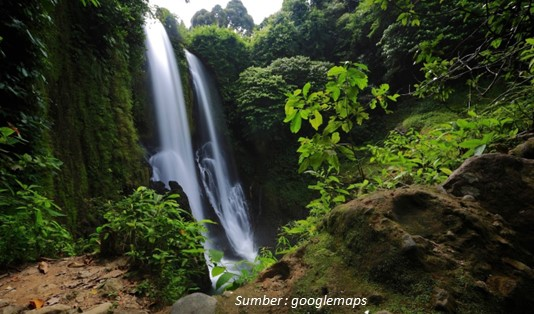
(72, 285)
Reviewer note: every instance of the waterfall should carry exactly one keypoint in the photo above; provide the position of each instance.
(175, 159)
(204, 175)
(224, 192)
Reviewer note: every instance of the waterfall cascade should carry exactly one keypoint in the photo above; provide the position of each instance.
(175, 159)
(223, 190)
(204, 176)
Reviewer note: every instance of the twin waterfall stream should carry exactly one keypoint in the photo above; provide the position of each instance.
(201, 166)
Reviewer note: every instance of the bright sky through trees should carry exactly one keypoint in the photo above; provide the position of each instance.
(259, 9)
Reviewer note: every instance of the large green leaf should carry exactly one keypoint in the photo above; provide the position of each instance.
(306, 89)
(317, 120)
(471, 143)
(217, 270)
(335, 137)
(215, 255)
(296, 123)
(225, 278)
(337, 70)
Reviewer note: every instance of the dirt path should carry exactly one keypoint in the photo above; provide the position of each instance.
(78, 284)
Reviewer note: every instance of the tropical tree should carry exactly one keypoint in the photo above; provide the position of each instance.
(277, 39)
(261, 93)
(238, 17)
(202, 17)
(223, 51)
(220, 15)
(235, 16)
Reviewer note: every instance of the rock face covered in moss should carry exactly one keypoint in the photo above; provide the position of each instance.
(95, 57)
(69, 84)
(417, 250)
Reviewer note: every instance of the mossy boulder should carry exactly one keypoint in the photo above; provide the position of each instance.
(525, 149)
(410, 250)
(503, 185)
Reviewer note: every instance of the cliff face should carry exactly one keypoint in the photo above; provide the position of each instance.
(95, 58)
(69, 87)
(464, 247)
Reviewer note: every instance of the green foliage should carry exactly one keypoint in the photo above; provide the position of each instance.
(429, 157)
(242, 271)
(316, 29)
(298, 70)
(527, 54)
(238, 17)
(480, 42)
(159, 237)
(223, 51)
(234, 17)
(204, 17)
(260, 93)
(22, 60)
(330, 113)
(94, 56)
(28, 229)
(65, 84)
(427, 120)
(275, 40)
(517, 102)
(95, 3)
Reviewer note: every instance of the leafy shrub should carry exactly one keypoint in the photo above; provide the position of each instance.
(429, 157)
(422, 157)
(159, 237)
(27, 226)
(332, 114)
(28, 229)
(242, 271)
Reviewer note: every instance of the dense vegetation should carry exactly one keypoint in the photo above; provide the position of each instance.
(458, 77)
(469, 63)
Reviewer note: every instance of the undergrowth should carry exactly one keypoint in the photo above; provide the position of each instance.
(160, 238)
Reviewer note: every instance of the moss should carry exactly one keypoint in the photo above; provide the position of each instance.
(329, 274)
(356, 255)
(91, 110)
(428, 120)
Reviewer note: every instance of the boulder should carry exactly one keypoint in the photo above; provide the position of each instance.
(464, 247)
(459, 249)
(103, 308)
(524, 150)
(53, 309)
(112, 286)
(443, 301)
(12, 309)
(195, 303)
(503, 185)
